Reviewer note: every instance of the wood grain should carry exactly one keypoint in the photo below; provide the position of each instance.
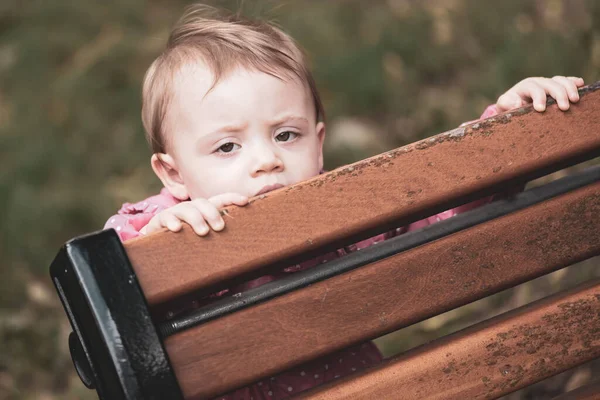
(490, 359)
(395, 292)
(370, 196)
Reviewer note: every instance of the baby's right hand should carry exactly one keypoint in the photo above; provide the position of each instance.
(198, 213)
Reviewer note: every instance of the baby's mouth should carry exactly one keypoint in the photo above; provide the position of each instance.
(269, 188)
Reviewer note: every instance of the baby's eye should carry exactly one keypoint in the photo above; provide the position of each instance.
(228, 147)
(286, 136)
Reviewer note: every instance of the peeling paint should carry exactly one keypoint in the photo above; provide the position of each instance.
(458, 132)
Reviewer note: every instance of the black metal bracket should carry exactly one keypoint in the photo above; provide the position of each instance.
(114, 345)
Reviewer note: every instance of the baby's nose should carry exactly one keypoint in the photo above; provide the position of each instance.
(267, 160)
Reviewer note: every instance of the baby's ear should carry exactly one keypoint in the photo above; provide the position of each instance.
(165, 168)
(321, 136)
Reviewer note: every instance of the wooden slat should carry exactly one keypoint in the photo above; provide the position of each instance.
(381, 297)
(379, 193)
(490, 359)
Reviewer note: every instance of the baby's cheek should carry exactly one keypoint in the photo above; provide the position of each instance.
(219, 185)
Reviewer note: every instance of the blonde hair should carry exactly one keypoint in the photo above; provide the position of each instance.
(223, 41)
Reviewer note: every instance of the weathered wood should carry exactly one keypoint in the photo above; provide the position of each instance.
(370, 196)
(386, 295)
(490, 359)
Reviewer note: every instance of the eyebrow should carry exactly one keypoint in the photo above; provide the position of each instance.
(240, 127)
(286, 118)
(227, 129)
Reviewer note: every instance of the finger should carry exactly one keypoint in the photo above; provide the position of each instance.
(557, 91)
(531, 89)
(508, 101)
(152, 226)
(227, 199)
(569, 86)
(578, 81)
(210, 213)
(169, 221)
(189, 213)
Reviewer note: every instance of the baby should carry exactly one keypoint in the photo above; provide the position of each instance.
(232, 111)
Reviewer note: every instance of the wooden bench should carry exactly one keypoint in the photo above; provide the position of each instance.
(115, 295)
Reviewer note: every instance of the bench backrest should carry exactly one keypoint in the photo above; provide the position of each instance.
(115, 295)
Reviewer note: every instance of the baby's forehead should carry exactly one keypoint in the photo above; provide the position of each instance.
(197, 72)
(197, 85)
(201, 98)
(201, 73)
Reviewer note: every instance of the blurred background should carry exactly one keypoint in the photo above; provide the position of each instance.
(390, 72)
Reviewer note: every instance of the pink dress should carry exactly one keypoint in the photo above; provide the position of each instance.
(131, 218)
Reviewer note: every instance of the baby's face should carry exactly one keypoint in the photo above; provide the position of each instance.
(251, 133)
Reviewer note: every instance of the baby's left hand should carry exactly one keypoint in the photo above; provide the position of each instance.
(534, 90)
